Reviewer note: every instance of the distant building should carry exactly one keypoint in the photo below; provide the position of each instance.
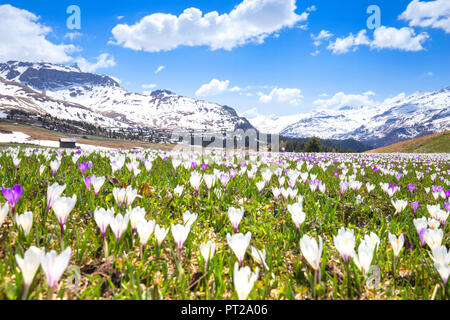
(67, 143)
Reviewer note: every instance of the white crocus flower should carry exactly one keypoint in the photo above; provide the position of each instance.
(135, 214)
(189, 218)
(297, 214)
(160, 234)
(239, 243)
(54, 266)
(145, 229)
(130, 195)
(178, 190)
(119, 195)
(244, 279)
(399, 205)
(29, 265)
(344, 242)
(396, 243)
(25, 221)
(97, 183)
(259, 256)
(118, 225)
(372, 240)
(54, 191)
(433, 237)
(62, 207)
(207, 250)
(103, 218)
(180, 234)
(235, 216)
(364, 257)
(196, 180)
(441, 259)
(54, 165)
(311, 250)
(209, 180)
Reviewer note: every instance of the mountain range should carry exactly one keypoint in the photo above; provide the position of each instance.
(68, 93)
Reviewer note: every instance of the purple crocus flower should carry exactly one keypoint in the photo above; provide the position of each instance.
(336, 174)
(84, 166)
(203, 166)
(421, 236)
(87, 182)
(233, 173)
(447, 206)
(414, 205)
(166, 158)
(411, 187)
(193, 164)
(13, 195)
(224, 179)
(447, 193)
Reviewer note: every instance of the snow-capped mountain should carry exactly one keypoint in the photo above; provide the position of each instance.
(64, 91)
(400, 118)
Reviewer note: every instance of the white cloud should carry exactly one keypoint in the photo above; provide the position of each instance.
(315, 53)
(236, 89)
(212, 88)
(323, 35)
(311, 9)
(383, 38)
(250, 21)
(159, 69)
(341, 99)
(22, 37)
(148, 86)
(403, 39)
(283, 95)
(343, 45)
(104, 60)
(429, 74)
(434, 14)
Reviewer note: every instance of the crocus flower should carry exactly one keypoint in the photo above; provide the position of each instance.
(160, 234)
(364, 257)
(209, 180)
(311, 250)
(25, 221)
(235, 216)
(103, 218)
(421, 227)
(119, 195)
(54, 266)
(411, 187)
(97, 183)
(118, 225)
(207, 250)
(180, 233)
(441, 259)
(399, 205)
(87, 182)
(16, 162)
(244, 279)
(196, 180)
(414, 205)
(239, 243)
(54, 165)
(29, 265)
(136, 214)
(145, 229)
(3, 212)
(178, 190)
(13, 195)
(344, 242)
(259, 256)
(433, 237)
(189, 218)
(297, 214)
(54, 191)
(62, 207)
(396, 243)
(84, 166)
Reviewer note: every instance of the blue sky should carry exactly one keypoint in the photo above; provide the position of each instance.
(283, 73)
